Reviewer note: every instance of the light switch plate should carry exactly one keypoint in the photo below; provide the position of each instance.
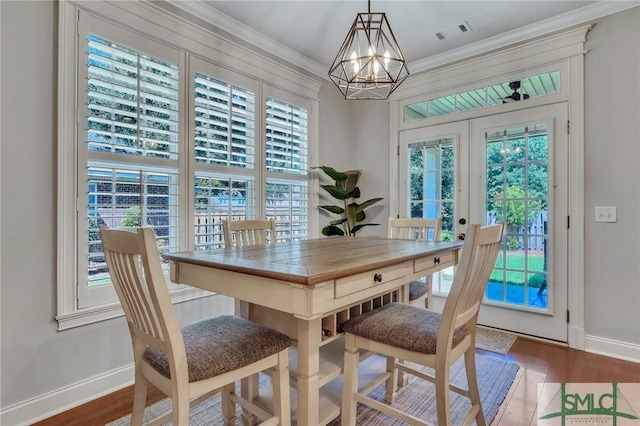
(606, 214)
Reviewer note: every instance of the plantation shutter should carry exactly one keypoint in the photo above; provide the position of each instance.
(224, 150)
(131, 130)
(224, 123)
(286, 161)
(287, 138)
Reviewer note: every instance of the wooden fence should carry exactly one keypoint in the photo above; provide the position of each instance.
(537, 231)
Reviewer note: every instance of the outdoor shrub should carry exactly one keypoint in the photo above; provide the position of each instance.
(513, 243)
(537, 281)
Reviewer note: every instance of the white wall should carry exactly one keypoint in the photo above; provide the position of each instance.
(370, 135)
(37, 362)
(612, 178)
(354, 135)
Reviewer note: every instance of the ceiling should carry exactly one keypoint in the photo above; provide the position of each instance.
(309, 33)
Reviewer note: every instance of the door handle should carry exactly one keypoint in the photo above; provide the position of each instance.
(461, 236)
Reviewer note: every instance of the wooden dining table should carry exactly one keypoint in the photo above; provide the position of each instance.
(307, 289)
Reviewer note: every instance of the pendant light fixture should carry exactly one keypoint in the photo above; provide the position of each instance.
(369, 64)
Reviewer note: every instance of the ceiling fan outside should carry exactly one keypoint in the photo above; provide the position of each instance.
(516, 95)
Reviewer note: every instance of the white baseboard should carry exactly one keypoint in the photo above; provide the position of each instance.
(55, 402)
(576, 337)
(613, 348)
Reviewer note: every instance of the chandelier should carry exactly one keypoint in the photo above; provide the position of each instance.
(369, 64)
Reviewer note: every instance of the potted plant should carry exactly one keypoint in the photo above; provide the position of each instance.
(345, 190)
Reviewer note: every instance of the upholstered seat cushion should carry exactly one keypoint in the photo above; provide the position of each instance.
(404, 326)
(221, 344)
(417, 289)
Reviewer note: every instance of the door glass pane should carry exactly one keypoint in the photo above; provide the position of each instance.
(431, 182)
(517, 167)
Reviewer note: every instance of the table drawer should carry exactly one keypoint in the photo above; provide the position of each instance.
(436, 261)
(371, 279)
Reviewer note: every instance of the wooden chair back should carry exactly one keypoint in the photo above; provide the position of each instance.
(414, 229)
(419, 291)
(136, 273)
(248, 232)
(477, 260)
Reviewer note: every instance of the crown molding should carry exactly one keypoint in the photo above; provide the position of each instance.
(207, 12)
(542, 28)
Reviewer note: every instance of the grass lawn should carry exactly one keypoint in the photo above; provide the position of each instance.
(516, 266)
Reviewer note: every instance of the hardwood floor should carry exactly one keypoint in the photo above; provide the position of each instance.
(541, 362)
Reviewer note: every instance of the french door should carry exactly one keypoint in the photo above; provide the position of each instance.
(510, 167)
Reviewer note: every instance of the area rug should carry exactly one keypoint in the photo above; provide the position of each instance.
(495, 378)
(493, 340)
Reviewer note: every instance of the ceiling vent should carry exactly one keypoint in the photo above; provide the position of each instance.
(454, 31)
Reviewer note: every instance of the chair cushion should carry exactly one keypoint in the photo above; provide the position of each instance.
(221, 344)
(403, 326)
(417, 289)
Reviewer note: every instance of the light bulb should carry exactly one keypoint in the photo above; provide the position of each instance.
(355, 64)
(373, 62)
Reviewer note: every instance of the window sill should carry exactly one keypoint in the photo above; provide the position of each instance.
(113, 310)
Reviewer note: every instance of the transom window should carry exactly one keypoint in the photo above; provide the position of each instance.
(498, 94)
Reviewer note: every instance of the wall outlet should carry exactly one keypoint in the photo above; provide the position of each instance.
(606, 214)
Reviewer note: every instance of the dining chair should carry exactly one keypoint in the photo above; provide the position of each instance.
(191, 363)
(241, 233)
(425, 337)
(248, 232)
(420, 291)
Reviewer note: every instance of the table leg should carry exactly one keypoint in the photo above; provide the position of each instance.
(249, 387)
(309, 336)
(403, 379)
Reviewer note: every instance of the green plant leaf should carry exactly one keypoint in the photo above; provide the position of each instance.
(347, 191)
(355, 214)
(332, 230)
(332, 209)
(352, 179)
(359, 227)
(332, 173)
(335, 192)
(369, 203)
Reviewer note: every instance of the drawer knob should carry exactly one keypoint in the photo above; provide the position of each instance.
(377, 278)
(436, 260)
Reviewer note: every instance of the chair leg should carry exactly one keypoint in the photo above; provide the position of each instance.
(249, 391)
(402, 377)
(180, 408)
(428, 301)
(350, 381)
(443, 398)
(281, 397)
(228, 406)
(391, 385)
(139, 398)
(472, 380)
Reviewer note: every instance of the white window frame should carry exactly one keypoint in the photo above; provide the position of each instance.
(176, 32)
